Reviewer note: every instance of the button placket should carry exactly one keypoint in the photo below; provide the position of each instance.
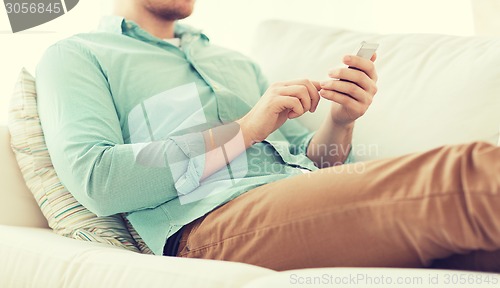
(222, 114)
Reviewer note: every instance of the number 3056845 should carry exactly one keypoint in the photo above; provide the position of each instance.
(33, 8)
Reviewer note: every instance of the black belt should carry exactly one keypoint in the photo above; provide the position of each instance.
(172, 245)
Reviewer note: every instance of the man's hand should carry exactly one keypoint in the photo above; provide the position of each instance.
(351, 90)
(282, 101)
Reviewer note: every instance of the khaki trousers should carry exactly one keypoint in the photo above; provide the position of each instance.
(401, 212)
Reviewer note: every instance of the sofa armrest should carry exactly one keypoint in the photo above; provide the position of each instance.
(17, 206)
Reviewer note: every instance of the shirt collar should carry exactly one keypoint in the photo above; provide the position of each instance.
(120, 25)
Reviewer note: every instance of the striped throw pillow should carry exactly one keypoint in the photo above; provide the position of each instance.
(65, 215)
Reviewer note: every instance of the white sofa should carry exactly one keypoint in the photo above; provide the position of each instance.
(434, 90)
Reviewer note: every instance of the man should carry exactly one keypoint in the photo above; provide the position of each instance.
(145, 117)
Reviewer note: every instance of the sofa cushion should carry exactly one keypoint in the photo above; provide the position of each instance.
(343, 277)
(434, 90)
(65, 215)
(53, 261)
(18, 207)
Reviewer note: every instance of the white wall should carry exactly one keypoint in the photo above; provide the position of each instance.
(231, 23)
(25, 48)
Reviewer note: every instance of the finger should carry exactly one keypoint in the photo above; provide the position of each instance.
(291, 103)
(317, 85)
(349, 89)
(298, 91)
(351, 75)
(315, 100)
(362, 64)
(356, 109)
(374, 57)
(311, 88)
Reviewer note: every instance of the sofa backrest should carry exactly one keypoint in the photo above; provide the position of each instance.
(434, 90)
(17, 205)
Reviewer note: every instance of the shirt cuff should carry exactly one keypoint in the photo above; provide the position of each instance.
(189, 165)
(350, 157)
(302, 148)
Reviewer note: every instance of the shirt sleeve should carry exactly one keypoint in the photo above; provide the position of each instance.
(84, 137)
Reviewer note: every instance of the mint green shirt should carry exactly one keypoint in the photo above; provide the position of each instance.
(114, 104)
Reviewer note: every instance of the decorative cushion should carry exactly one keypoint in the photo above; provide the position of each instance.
(65, 215)
(434, 90)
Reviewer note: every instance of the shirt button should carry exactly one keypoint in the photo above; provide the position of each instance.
(129, 26)
(215, 87)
